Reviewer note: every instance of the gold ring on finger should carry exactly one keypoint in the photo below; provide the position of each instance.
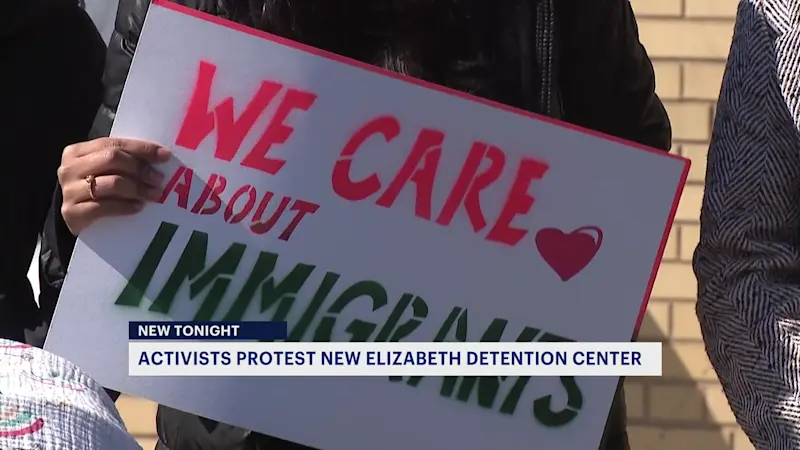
(91, 185)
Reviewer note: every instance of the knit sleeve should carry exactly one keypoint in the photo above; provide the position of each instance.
(748, 259)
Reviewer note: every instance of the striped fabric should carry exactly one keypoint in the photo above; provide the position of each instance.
(748, 260)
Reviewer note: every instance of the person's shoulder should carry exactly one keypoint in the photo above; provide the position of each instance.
(131, 14)
(130, 17)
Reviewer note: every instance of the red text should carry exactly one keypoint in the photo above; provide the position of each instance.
(214, 196)
(484, 165)
(202, 119)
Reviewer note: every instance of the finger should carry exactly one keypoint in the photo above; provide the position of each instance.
(81, 215)
(113, 162)
(115, 187)
(146, 151)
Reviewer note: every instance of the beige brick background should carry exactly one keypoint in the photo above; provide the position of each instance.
(688, 41)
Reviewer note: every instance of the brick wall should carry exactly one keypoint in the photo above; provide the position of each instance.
(688, 41)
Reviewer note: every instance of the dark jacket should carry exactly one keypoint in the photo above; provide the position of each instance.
(22, 15)
(51, 64)
(579, 60)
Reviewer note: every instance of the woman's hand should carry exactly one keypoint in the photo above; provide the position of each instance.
(108, 177)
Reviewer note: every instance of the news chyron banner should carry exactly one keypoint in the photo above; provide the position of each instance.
(449, 246)
(239, 349)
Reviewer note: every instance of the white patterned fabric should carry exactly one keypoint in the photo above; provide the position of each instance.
(47, 403)
(748, 260)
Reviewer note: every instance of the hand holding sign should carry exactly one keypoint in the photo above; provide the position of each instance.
(108, 177)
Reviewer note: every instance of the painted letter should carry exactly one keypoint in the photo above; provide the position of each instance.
(181, 184)
(302, 208)
(192, 268)
(370, 289)
(201, 118)
(419, 168)
(469, 184)
(277, 132)
(280, 294)
(519, 201)
(343, 185)
(134, 290)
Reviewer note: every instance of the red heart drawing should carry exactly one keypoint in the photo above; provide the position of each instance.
(568, 253)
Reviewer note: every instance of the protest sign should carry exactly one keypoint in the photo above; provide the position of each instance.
(362, 206)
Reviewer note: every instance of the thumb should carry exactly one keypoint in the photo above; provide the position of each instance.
(146, 151)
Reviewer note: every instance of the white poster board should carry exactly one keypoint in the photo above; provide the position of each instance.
(462, 235)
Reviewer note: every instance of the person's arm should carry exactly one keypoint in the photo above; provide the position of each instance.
(748, 260)
(606, 79)
(127, 28)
